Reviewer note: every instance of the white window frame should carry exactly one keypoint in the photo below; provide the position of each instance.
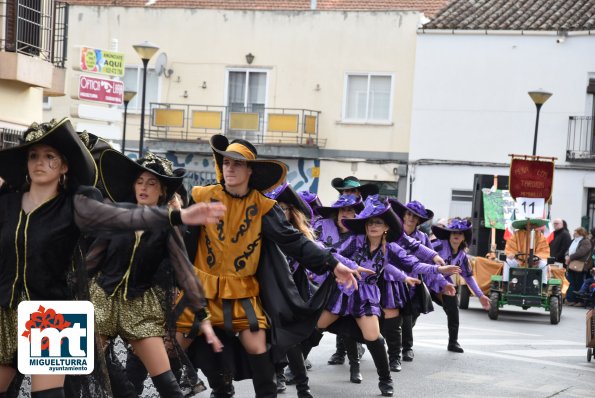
(139, 92)
(367, 120)
(259, 70)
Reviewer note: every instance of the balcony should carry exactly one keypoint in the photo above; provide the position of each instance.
(33, 43)
(581, 139)
(259, 125)
(10, 137)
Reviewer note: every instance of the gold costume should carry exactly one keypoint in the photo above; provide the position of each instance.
(519, 243)
(226, 261)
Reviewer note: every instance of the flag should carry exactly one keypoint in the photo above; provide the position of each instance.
(548, 231)
(508, 230)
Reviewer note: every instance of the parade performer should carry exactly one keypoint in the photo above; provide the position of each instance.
(131, 290)
(452, 240)
(352, 186)
(244, 273)
(47, 206)
(313, 201)
(517, 247)
(413, 214)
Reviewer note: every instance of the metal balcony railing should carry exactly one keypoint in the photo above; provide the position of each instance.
(581, 139)
(281, 126)
(10, 138)
(37, 28)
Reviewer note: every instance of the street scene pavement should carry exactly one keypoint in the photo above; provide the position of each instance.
(519, 355)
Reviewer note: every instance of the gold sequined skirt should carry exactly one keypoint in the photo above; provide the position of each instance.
(132, 319)
(8, 336)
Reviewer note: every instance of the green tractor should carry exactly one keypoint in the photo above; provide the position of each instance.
(524, 290)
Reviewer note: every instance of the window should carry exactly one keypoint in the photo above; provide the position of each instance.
(133, 81)
(368, 98)
(385, 188)
(47, 103)
(461, 203)
(246, 92)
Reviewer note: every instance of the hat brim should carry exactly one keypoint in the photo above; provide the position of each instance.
(82, 169)
(364, 189)
(358, 225)
(522, 224)
(290, 196)
(400, 209)
(266, 174)
(327, 211)
(119, 172)
(443, 233)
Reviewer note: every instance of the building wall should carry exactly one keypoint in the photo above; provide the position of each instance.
(307, 54)
(20, 104)
(471, 105)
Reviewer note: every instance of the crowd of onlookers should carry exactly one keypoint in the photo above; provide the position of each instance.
(574, 251)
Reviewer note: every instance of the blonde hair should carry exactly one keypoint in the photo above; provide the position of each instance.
(300, 222)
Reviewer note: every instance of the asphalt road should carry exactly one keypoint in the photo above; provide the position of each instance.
(519, 355)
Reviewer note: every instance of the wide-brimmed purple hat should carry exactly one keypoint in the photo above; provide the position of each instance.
(312, 200)
(351, 182)
(455, 225)
(343, 201)
(285, 193)
(414, 207)
(374, 207)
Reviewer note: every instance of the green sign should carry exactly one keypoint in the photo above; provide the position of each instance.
(498, 208)
(104, 62)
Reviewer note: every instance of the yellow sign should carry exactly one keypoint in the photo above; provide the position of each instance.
(283, 123)
(168, 117)
(103, 62)
(206, 120)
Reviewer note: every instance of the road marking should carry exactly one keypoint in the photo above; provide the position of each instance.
(554, 353)
(423, 327)
(505, 342)
(514, 358)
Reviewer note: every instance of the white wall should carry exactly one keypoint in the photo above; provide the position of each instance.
(470, 97)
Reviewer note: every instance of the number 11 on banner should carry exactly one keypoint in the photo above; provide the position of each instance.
(529, 208)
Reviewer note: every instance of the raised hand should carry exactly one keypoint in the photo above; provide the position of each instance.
(203, 213)
(412, 281)
(449, 269)
(348, 277)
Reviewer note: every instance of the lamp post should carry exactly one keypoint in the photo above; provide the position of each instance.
(539, 98)
(128, 96)
(145, 51)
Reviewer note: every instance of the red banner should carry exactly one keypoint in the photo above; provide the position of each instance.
(101, 90)
(531, 178)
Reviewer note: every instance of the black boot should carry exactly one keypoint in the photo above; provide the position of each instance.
(392, 333)
(312, 341)
(298, 368)
(407, 339)
(378, 352)
(167, 386)
(221, 383)
(136, 372)
(452, 315)
(338, 358)
(355, 375)
(51, 393)
(263, 375)
(121, 386)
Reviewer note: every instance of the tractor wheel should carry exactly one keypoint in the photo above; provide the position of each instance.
(554, 310)
(493, 311)
(463, 296)
(589, 354)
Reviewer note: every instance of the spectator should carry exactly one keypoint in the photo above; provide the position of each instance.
(561, 242)
(579, 250)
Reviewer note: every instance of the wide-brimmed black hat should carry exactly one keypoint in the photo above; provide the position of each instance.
(374, 207)
(119, 172)
(344, 200)
(63, 138)
(266, 174)
(286, 194)
(414, 207)
(351, 182)
(455, 225)
(95, 144)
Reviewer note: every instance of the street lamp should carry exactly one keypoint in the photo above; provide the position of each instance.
(145, 51)
(128, 96)
(539, 98)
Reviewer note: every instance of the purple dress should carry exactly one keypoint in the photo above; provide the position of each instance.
(435, 282)
(385, 288)
(445, 251)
